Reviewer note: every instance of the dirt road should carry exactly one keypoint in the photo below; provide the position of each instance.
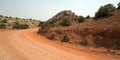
(28, 45)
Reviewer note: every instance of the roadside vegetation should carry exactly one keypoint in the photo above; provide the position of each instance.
(83, 42)
(4, 21)
(65, 38)
(118, 6)
(8, 22)
(20, 26)
(87, 17)
(2, 26)
(52, 36)
(85, 31)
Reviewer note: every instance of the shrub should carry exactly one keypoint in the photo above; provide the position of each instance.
(0, 20)
(80, 19)
(98, 37)
(1, 15)
(83, 42)
(88, 17)
(40, 24)
(10, 17)
(43, 26)
(16, 18)
(52, 21)
(118, 6)
(65, 14)
(52, 36)
(65, 23)
(6, 16)
(46, 24)
(16, 23)
(104, 11)
(5, 21)
(20, 26)
(2, 26)
(86, 29)
(65, 38)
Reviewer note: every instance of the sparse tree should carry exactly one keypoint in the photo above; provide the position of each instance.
(10, 17)
(6, 16)
(65, 23)
(1, 15)
(65, 38)
(118, 5)
(84, 42)
(2, 26)
(40, 23)
(16, 18)
(20, 26)
(52, 36)
(105, 11)
(88, 17)
(5, 21)
(80, 19)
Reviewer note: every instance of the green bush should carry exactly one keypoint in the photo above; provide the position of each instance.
(10, 17)
(118, 6)
(46, 24)
(43, 26)
(0, 20)
(5, 21)
(65, 23)
(80, 19)
(83, 42)
(16, 23)
(88, 17)
(65, 38)
(20, 26)
(104, 11)
(98, 37)
(1, 15)
(52, 21)
(16, 18)
(40, 24)
(6, 16)
(52, 36)
(2, 26)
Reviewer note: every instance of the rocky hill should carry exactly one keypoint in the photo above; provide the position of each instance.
(66, 16)
(102, 32)
(11, 22)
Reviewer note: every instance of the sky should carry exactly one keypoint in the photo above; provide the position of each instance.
(45, 9)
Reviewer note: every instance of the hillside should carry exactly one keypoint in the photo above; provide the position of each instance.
(103, 32)
(8, 22)
(63, 18)
(63, 15)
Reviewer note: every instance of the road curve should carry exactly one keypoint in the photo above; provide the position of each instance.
(28, 45)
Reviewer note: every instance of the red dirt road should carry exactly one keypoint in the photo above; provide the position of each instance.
(28, 45)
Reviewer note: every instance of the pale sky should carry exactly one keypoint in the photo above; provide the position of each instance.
(45, 9)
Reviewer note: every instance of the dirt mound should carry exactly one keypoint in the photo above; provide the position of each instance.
(103, 32)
